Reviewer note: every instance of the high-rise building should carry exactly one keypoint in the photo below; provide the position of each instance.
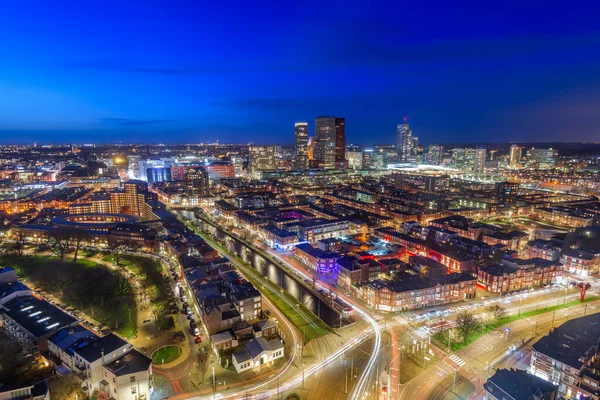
(463, 159)
(355, 160)
(404, 142)
(196, 182)
(301, 138)
(340, 143)
(506, 193)
(516, 152)
(262, 158)
(480, 156)
(238, 166)
(133, 166)
(434, 154)
(541, 158)
(325, 141)
(380, 160)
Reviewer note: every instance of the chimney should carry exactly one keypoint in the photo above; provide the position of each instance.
(102, 354)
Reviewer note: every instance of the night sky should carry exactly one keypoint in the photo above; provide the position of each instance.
(240, 71)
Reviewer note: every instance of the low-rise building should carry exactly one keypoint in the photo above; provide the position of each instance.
(513, 240)
(257, 353)
(517, 274)
(322, 261)
(316, 229)
(354, 270)
(514, 384)
(30, 321)
(29, 391)
(546, 249)
(581, 262)
(128, 377)
(409, 291)
(563, 216)
(568, 357)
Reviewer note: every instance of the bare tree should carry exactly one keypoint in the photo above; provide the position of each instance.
(466, 324)
(202, 363)
(20, 241)
(496, 311)
(118, 251)
(59, 241)
(78, 237)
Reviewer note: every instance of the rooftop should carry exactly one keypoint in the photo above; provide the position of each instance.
(130, 363)
(37, 316)
(518, 385)
(569, 342)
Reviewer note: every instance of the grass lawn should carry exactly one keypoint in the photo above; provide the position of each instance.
(166, 354)
(443, 337)
(84, 285)
(313, 329)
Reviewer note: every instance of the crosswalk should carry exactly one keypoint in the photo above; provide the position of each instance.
(457, 360)
(421, 333)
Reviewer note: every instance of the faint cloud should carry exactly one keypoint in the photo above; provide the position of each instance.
(134, 122)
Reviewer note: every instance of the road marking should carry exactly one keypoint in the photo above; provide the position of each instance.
(457, 360)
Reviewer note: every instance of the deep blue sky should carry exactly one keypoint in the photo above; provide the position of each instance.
(242, 71)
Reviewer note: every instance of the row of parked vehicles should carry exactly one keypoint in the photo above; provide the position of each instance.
(185, 307)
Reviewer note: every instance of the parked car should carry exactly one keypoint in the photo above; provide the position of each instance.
(196, 331)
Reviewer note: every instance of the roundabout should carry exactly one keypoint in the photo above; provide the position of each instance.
(166, 354)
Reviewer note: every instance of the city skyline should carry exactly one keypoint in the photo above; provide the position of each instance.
(173, 74)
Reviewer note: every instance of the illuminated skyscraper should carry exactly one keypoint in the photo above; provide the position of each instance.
(480, 155)
(325, 142)
(516, 152)
(404, 142)
(301, 154)
(133, 164)
(434, 154)
(340, 143)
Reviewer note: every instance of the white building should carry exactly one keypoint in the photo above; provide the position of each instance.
(257, 352)
(108, 363)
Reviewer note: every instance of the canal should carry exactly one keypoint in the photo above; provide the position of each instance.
(288, 282)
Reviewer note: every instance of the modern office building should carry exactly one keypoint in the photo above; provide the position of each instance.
(340, 143)
(325, 142)
(301, 151)
(480, 157)
(355, 160)
(404, 142)
(158, 174)
(541, 158)
(434, 154)
(262, 158)
(516, 153)
(238, 165)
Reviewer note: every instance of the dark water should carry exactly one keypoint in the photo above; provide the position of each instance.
(272, 272)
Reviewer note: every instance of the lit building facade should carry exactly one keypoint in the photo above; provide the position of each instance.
(404, 142)
(301, 141)
(325, 142)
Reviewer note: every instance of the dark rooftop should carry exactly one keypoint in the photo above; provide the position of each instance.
(131, 363)
(37, 316)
